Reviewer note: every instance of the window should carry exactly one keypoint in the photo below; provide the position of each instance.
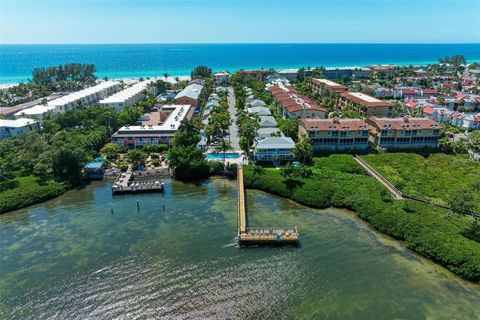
(403, 140)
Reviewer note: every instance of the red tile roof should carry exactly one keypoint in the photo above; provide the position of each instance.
(408, 91)
(411, 104)
(430, 91)
(331, 125)
(428, 110)
(401, 124)
(330, 84)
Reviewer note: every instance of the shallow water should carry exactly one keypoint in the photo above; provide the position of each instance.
(147, 60)
(71, 258)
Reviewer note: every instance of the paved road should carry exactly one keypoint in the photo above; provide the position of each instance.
(233, 129)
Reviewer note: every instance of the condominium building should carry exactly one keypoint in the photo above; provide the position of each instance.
(158, 131)
(340, 72)
(294, 105)
(13, 128)
(327, 87)
(335, 134)
(274, 149)
(366, 104)
(85, 97)
(127, 97)
(404, 133)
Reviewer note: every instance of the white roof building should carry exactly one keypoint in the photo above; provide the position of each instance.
(12, 128)
(133, 136)
(38, 111)
(85, 97)
(126, 97)
(191, 91)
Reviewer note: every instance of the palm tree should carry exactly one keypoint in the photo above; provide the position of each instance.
(165, 75)
(223, 146)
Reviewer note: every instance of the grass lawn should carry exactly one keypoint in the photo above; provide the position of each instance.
(28, 192)
(436, 178)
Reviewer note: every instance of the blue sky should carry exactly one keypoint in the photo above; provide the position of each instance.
(240, 21)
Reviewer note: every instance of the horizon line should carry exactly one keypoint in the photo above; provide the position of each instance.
(247, 43)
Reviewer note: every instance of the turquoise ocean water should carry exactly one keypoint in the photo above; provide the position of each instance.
(137, 60)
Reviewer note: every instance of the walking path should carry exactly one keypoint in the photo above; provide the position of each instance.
(397, 194)
(233, 129)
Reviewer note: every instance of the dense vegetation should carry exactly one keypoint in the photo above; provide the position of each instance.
(201, 72)
(437, 177)
(28, 192)
(340, 182)
(58, 153)
(68, 77)
(72, 76)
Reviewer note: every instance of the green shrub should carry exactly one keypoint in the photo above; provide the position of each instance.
(156, 163)
(28, 194)
(337, 181)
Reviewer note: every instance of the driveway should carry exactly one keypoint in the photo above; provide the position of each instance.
(233, 129)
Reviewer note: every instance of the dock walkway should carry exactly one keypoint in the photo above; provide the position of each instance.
(125, 183)
(259, 236)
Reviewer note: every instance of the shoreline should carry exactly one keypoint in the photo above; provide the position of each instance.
(385, 217)
(129, 75)
(384, 235)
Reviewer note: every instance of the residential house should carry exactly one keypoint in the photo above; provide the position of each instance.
(404, 133)
(221, 77)
(335, 134)
(260, 111)
(269, 132)
(256, 103)
(275, 149)
(267, 121)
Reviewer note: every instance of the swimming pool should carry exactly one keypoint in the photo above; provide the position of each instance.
(226, 155)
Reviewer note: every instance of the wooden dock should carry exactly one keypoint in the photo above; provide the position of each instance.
(126, 183)
(260, 236)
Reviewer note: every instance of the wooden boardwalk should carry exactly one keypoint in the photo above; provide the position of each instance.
(397, 194)
(259, 236)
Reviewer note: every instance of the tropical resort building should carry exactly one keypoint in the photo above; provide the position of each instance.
(294, 105)
(127, 97)
(366, 104)
(275, 149)
(13, 128)
(189, 95)
(404, 133)
(158, 128)
(335, 134)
